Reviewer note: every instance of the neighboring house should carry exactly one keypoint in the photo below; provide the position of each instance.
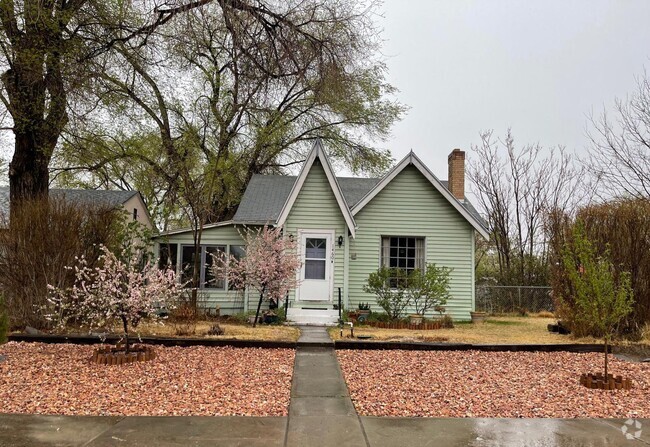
(130, 201)
(346, 228)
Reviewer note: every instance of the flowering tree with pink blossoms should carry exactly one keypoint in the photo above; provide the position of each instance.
(115, 292)
(270, 265)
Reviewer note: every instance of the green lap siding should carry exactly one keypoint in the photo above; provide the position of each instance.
(410, 206)
(316, 208)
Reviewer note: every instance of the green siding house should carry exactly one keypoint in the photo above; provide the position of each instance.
(345, 228)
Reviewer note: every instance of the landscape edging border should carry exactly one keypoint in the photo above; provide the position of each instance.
(162, 341)
(381, 345)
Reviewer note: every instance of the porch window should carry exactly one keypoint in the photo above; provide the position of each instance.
(214, 279)
(402, 252)
(237, 252)
(168, 256)
(207, 280)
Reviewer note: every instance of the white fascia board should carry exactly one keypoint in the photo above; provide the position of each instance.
(412, 159)
(318, 152)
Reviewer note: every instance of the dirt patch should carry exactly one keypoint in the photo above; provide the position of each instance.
(217, 381)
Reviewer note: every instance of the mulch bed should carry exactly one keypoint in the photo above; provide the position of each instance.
(489, 384)
(203, 381)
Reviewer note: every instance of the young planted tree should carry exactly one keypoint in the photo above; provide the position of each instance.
(270, 265)
(115, 292)
(602, 298)
(429, 288)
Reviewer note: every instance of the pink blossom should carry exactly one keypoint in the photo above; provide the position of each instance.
(114, 292)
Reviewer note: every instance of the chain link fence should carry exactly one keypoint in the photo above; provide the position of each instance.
(513, 299)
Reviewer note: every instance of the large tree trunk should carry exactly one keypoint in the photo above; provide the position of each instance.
(36, 97)
(28, 171)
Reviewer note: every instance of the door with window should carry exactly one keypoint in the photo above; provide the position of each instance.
(317, 266)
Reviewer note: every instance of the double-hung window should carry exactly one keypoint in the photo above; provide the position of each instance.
(402, 252)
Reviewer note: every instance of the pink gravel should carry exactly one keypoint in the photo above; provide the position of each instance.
(208, 381)
(489, 384)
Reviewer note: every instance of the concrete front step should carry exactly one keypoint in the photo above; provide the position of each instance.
(312, 316)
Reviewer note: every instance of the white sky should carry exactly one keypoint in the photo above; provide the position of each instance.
(537, 66)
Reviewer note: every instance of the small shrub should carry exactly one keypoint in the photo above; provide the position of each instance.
(364, 306)
(184, 318)
(378, 317)
(428, 289)
(215, 329)
(446, 322)
(388, 285)
(240, 317)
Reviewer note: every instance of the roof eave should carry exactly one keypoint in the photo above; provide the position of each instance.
(317, 151)
(412, 159)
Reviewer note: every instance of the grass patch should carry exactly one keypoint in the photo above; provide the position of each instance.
(497, 330)
(231, 331)
(504, 322)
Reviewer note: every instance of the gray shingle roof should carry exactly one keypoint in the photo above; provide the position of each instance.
(81, 196)
(354, 188)
(264, 198)
(266, 195)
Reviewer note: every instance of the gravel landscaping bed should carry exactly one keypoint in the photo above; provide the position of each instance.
(489, 384)
(207, 381)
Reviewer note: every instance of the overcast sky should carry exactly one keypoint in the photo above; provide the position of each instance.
(539, 67)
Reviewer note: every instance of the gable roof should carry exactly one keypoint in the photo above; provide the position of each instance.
(412, 159)
(266, 195)
(318, 153)
(81, 196)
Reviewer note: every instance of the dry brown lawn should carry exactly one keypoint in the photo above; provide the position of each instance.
(232, 331)
(496, 330)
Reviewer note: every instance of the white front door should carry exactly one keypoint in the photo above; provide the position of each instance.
(316, 273)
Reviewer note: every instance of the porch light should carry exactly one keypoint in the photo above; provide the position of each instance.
(340, 241)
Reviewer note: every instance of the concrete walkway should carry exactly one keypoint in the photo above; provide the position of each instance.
(314, 337)
(320, 414)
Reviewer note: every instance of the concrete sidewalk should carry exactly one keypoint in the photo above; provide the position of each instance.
(320, 414)
(324, 430)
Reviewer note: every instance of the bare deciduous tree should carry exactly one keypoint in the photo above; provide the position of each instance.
(516, 189)
(620, 155)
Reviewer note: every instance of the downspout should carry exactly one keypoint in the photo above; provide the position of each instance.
(346, 270)
(473, 241)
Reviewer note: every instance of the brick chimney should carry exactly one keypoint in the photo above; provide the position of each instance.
(456, 174)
